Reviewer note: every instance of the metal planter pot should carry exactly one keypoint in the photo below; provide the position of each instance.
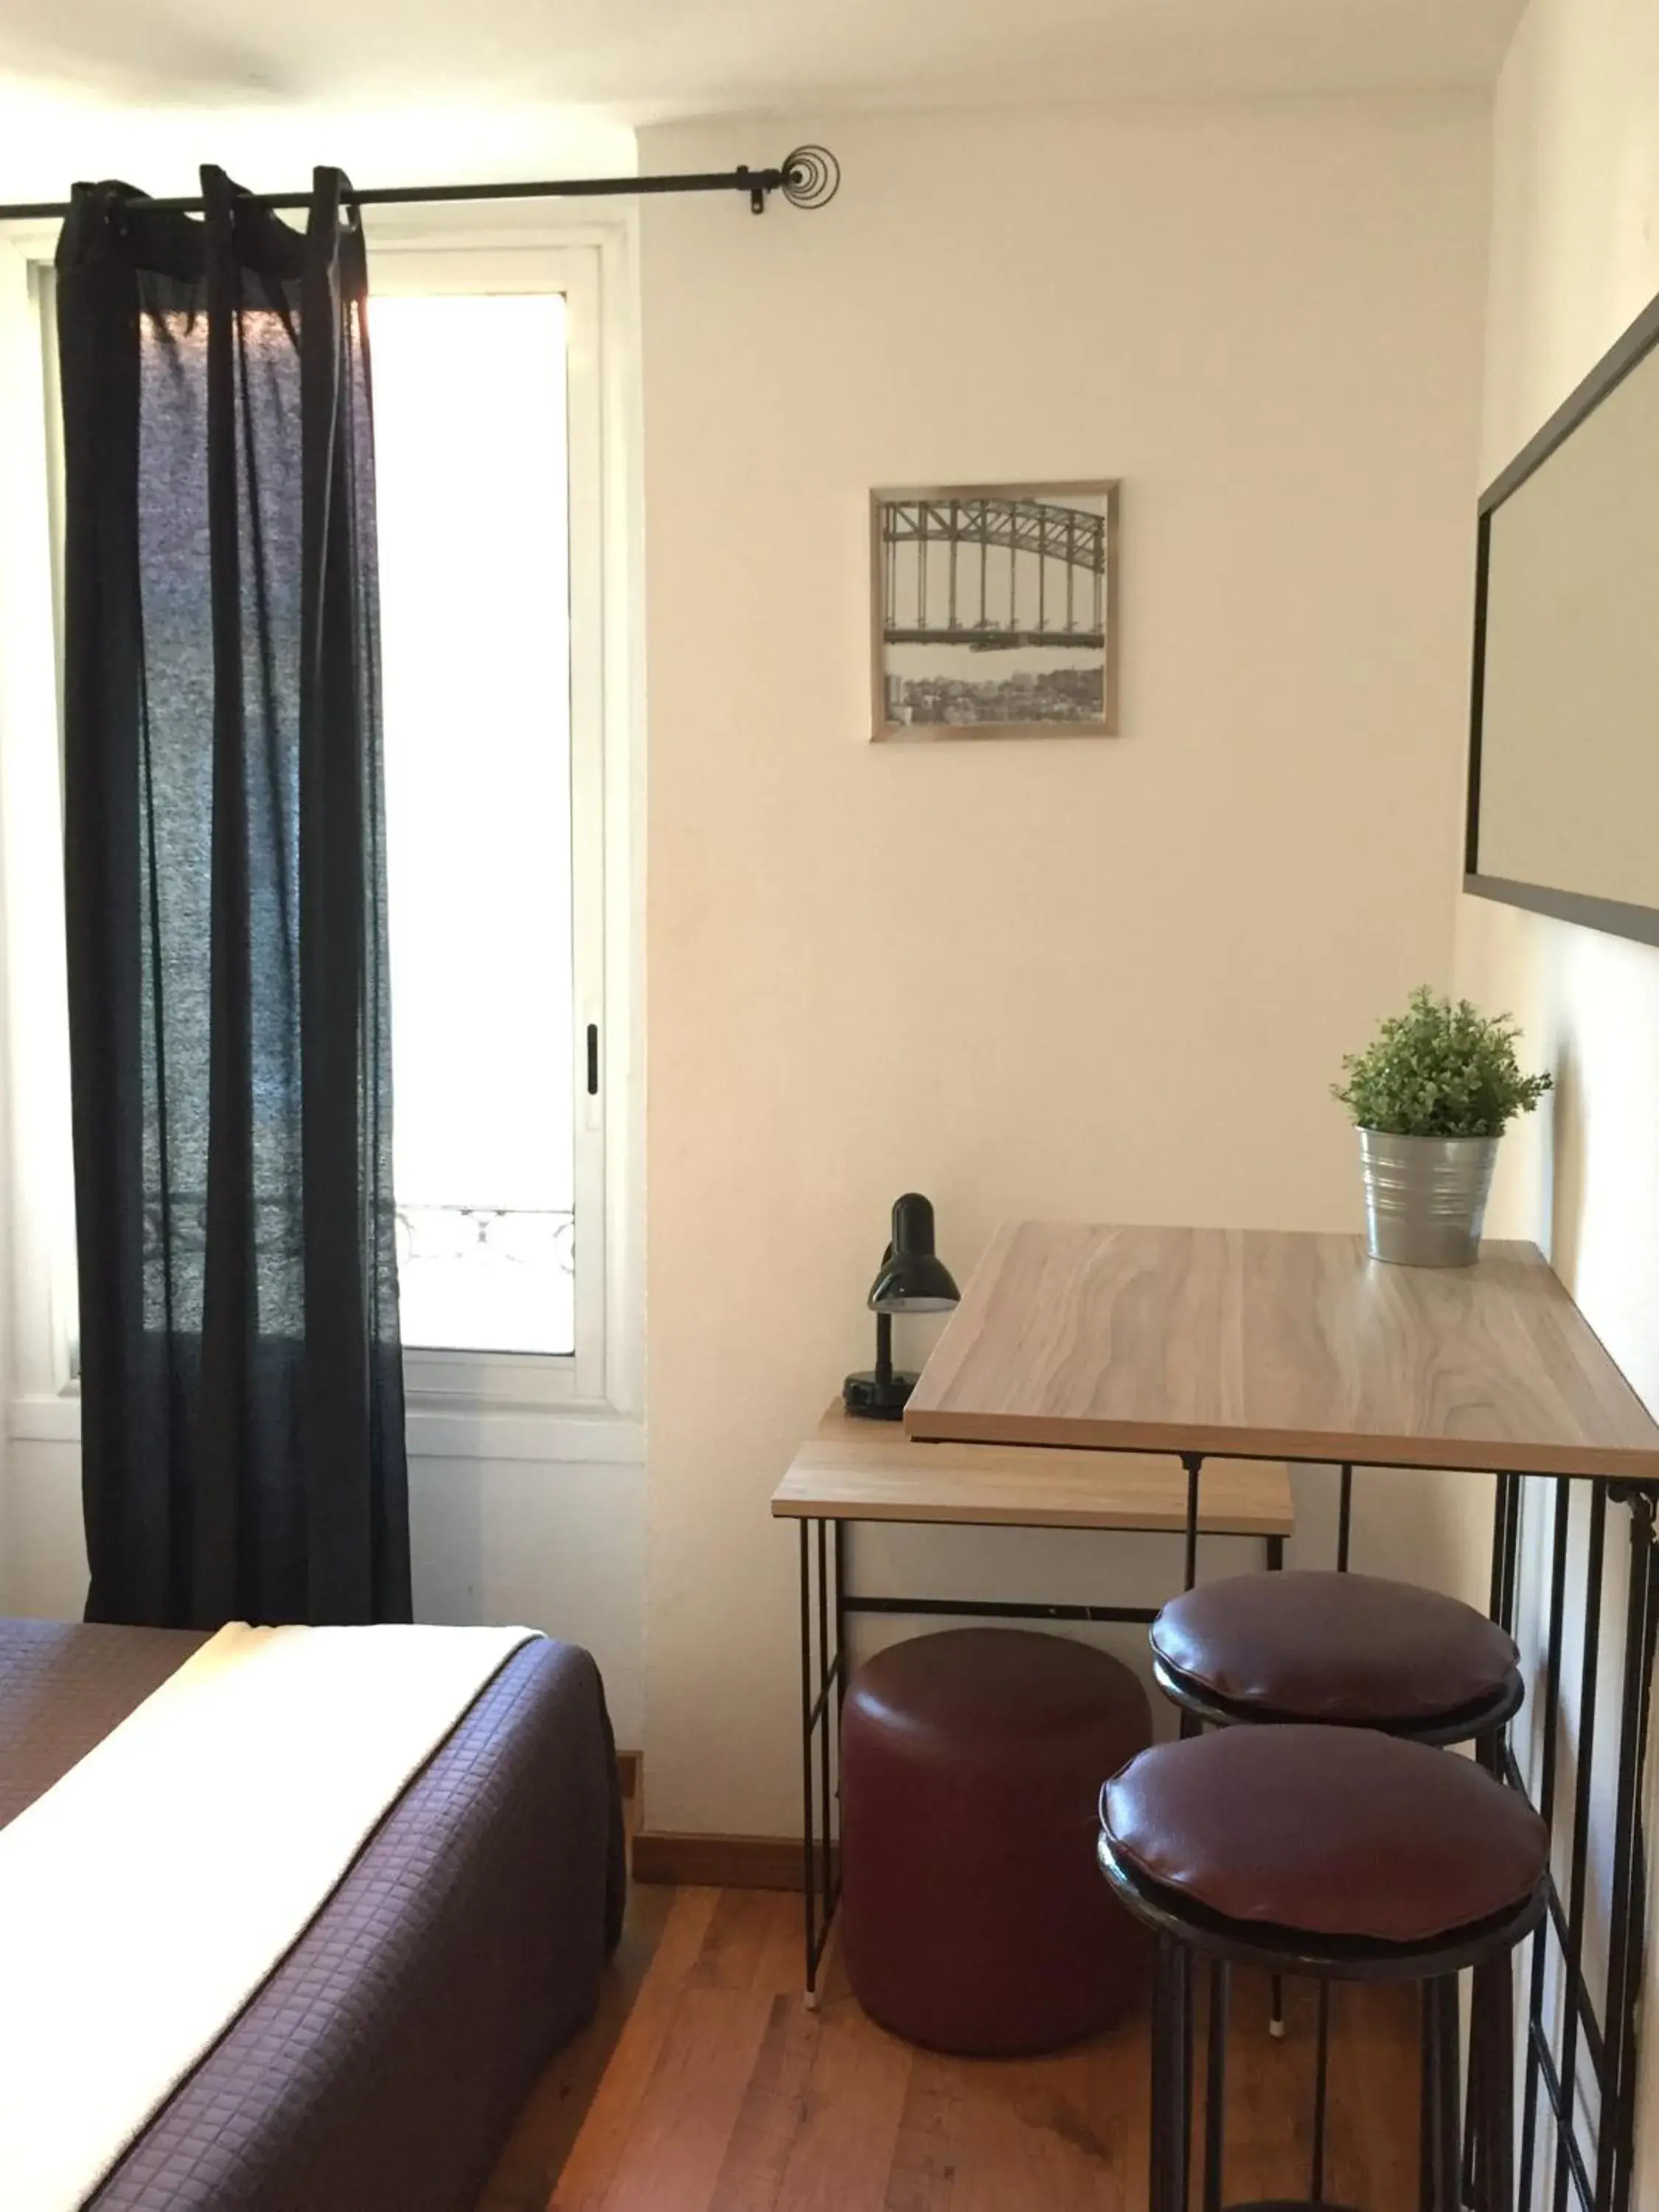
(1425, 1197)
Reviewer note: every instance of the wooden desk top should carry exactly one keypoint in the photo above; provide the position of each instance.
(1289, 1344)
(856, 1470)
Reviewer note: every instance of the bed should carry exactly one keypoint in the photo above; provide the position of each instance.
(381, 2065)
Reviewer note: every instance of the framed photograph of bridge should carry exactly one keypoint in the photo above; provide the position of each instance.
(995, 611)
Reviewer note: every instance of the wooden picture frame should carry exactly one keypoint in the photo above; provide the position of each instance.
(966, 577)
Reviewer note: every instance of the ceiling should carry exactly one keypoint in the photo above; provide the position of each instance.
(642, 61)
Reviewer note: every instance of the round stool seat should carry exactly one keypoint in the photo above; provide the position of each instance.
(1350, 1649)
(973, 1916)
(1336, 1832)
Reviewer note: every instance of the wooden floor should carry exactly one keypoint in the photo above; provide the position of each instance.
(706, 2086)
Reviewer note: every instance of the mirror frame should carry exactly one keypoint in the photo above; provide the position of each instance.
(1614, 916)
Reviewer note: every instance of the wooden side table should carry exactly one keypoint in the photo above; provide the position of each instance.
(855, 1470)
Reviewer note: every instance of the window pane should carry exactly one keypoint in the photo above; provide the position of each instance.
(472, 498)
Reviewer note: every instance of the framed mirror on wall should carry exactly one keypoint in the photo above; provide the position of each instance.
(1564, 755)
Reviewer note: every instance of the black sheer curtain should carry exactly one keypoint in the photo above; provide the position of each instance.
(242, 1427)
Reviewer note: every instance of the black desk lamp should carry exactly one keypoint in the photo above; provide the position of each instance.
(913, 1278)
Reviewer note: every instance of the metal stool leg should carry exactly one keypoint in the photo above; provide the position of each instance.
(1321, 2080)
(1492, 2088)
(1474, 2167)
(1189, 1976)
(1186, 1978)
(1215, 2088)
(1478, 2181)
(1171, 2117)
(1447, 2145)
(1427, 2102)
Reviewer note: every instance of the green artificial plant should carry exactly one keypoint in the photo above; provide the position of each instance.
(1439, 1070)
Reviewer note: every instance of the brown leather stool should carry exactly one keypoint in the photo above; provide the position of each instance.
(1342, 1854)
(1340, 1650)
(973, 1918)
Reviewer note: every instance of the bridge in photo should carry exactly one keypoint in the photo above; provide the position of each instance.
(993, 574)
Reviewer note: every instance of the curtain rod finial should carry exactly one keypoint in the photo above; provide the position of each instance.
(811, 177)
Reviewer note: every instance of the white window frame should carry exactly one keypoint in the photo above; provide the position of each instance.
(585, 1406)
(41, 1391)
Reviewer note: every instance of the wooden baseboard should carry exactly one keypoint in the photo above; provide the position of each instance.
(628, 1774)
(703, 1861)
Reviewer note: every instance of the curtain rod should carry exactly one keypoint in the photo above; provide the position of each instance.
(807, 179)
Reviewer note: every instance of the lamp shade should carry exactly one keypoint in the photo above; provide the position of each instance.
(913, 1278)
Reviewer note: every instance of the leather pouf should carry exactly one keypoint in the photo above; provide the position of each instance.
(973, 1918)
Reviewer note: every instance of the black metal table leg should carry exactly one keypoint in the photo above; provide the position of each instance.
(820, 1715)
(1584, 1761)
(841, 1621)
(809, 1816)
(1193, 1464)
(1276, 1548)
(1545, 1801)
(1343, 1517)
(1505, 1542)
(1626, 1918)
(826, 1803)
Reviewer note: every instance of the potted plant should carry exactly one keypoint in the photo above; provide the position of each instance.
(1431, 1095)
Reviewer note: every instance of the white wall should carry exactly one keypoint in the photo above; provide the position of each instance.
(1107, 979)
(1575, 255)
(557, 1545)
(51, 139)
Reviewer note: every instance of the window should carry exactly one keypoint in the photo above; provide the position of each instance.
(503, 522)
(474, 525)
(496, 531)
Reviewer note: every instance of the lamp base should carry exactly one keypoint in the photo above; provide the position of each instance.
(872, 1397)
